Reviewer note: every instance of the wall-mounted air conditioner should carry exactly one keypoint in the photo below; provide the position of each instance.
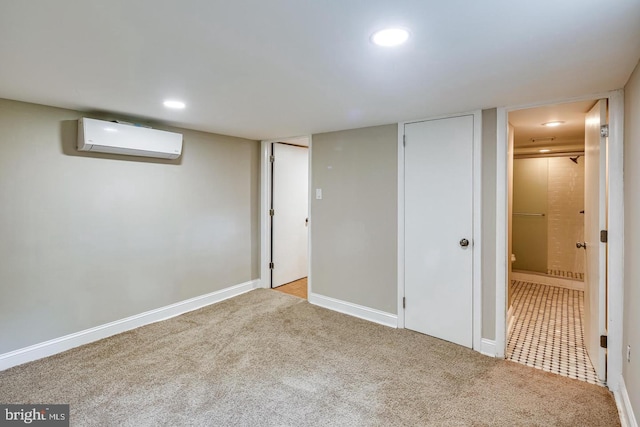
(115, 138)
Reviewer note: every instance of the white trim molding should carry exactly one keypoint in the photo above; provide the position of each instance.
(401, 239)
(67, 342)
(511, 320)
(627, 417)
(355, 310)
(478, 341)
(502, 227)
(488, 347)
(309, 216)
(265, 227)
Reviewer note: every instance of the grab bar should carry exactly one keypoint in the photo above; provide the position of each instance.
(528, 214)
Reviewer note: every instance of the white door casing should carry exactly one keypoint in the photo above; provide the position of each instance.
(439, 207)
(615, 211)
(615, 223)
(290, 211)
(595, 219)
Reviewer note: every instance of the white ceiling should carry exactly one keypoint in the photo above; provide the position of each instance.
(530, 135)
(267, 69)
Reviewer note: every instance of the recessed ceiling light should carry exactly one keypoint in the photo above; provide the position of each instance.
(544, 150)
(553, 123)
(178, 105)
(390, 37)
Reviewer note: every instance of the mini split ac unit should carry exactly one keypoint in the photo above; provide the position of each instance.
(115, 138)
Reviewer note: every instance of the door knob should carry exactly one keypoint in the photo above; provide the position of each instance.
(464, 243)
(582, 245)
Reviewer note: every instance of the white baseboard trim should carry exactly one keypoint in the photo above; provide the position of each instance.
(488, 347)
(511, 319)
(627, 417)
(548, 280)
(67, 342)
(355, 310)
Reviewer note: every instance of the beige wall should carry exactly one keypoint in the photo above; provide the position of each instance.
(631, 325)
(489, 138)
(354, 226)
(86, 239)
(354, 233)
(93, 238)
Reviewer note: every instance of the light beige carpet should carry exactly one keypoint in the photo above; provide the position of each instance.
(269, 359)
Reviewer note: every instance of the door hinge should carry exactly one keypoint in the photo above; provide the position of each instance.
(271, 212)
(404, 140)
(272, 159)
(404, 302)
(603, 341)
(271, 266)
(604, 236)
(604, 131)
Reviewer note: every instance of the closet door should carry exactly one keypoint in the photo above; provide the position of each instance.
(439, 228)
(289, 231)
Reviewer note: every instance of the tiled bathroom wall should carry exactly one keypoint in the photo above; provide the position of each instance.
(565, 222)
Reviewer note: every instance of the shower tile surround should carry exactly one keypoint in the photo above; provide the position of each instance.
(547, 331)
(562, 181)
(565, 222)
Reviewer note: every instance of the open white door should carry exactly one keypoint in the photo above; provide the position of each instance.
(289, 215)
(595, 220)
(439, 228)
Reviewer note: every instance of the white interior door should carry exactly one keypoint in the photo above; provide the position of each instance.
(438, 220)
(595, 219)
(290, 211)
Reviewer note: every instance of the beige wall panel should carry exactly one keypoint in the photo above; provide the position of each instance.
(489, 139)
(87, 239)
(631, 370)
(354, 226)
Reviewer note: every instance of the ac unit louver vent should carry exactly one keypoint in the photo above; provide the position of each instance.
(115, 138)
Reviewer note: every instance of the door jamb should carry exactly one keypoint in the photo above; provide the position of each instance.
(265, 202)
(477, 222)
(615, 206)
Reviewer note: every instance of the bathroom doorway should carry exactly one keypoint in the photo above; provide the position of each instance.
(546, 289)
